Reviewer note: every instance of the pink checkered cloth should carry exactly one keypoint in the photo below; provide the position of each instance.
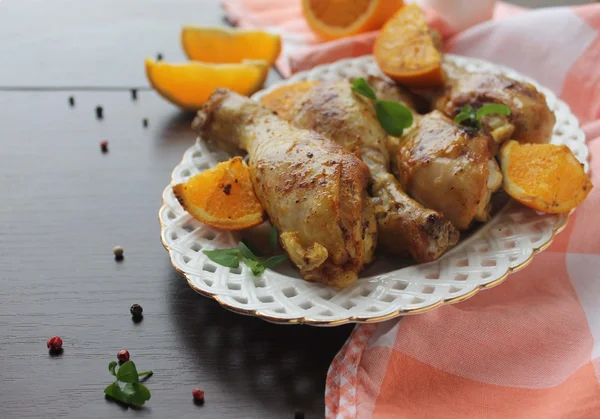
(529, 348)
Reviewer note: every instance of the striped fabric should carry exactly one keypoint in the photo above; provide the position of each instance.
(529, 348)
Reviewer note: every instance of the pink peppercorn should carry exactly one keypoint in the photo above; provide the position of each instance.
(104, 146)
(198, 394)
(54, 343)
(123, 355)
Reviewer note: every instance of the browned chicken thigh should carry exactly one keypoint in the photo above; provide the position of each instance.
(449, 168)
(334, 110)
(530, 121)
(314, 191)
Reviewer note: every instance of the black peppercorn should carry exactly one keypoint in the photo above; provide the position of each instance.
(145, 122)
(159, 57)
(134, 94)
(99, 112)
(71, 101)
(136, 310)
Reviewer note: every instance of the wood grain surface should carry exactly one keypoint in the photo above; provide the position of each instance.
(66, 205)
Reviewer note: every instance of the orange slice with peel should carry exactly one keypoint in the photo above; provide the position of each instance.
(228, 45)
(283, 99)
(545, 177)
(188, 85)
(405, 50)
(222, 197)
(332, 19)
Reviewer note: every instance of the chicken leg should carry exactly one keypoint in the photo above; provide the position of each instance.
(313, 190)
(530, 120)
(331, 108)
(449, 168)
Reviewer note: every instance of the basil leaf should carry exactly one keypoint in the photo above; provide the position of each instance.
(111, 367)
(246, 252)
(492, 108)
(467, 112)
(224, 257)
(255, 266)
(393, 117)
(274, 238)
(137, 393)
(129, 390)
(255, 250)
(140, 395)
(114, 391)
(361, 87)
(127, 373)
(274, 261)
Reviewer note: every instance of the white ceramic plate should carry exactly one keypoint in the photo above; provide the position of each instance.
(386, 290)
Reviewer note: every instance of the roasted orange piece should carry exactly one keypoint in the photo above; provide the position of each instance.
(545, 177)
(283, 99)
(331, 19)
(224, 45)
(406, 50)
(188, 85)
(222, 197)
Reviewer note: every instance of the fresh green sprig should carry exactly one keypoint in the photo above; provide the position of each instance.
(393, 117)
(471, 117)
(231, 258)
(133, 393)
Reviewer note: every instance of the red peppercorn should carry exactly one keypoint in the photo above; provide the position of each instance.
(54, 343)
(123, 355)
(104, 146)
(198, 394)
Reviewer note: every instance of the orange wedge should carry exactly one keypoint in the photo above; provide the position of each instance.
(283, 99)
(405, 50)
(331, 19)
(545, 177)
(222, 197)
(189, 85)
(224, 45)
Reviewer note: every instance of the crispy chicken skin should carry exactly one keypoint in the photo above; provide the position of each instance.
(530, 121)
(331, 108)
(314, 191)
(449, 168)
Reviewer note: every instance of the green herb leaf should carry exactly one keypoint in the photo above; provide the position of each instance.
(466, 113)
(114, 391)
(361, 87)
(492, 108)
(224, 257)
(274, 238)
(393, 117)
(252, 247)
(129, 390)
(255, 266)
(246, 252)
(274, 261)
(127, 373)
(133, 393)
(111, 367)
(137, 393)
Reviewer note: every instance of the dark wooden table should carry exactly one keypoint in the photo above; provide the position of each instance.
(65, 205)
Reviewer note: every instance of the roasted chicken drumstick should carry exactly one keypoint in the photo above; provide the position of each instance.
(530, 120)
(314, 191)
(449, 168)
(331, 108)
